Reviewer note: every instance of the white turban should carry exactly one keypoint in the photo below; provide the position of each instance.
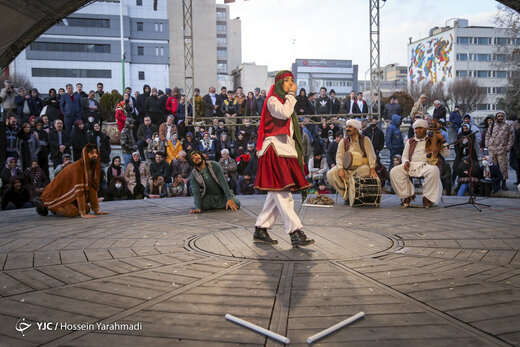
(420, 123)
(354, 123)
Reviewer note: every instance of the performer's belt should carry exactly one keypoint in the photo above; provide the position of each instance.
(353, 160)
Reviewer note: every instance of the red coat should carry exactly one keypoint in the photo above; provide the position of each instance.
(121, 118)
(171, 105)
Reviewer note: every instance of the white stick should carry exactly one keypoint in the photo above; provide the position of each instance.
(256, 328)
(315, 205)
(335, 327)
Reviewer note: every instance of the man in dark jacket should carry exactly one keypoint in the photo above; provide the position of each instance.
(456, 118)
(439, 111)
(154, 108)
(333, 148)
(53, 106)
(375, 135)
(323, 104)
(245, 185)
(335, 104)
(159, 167)
(211, 103)
(24, 106)
(16, 195)
(394, 138)
(59, 143)
(140, 104)
(71, 107)
(145, 133)
(392, 108)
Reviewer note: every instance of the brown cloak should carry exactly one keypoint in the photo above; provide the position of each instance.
(71, 183)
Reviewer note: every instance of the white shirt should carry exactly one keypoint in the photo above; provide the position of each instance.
(284, 145)
(360, 104)
(351, 105)
(168, 132)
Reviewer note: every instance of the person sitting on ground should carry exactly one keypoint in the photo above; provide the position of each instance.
(178, 187)
(159, 167)
(245, 185)
(75, 188)
(10, 170)
(117, 189)
(156, 188)
(469, 174)
(317, 167)
(322, 188)
(16, 195)
(67, 160)
(446, 181)
(209, 187)
(492, 176)
(381, 171)
(232, 184)
(35, 179)
(136, 176)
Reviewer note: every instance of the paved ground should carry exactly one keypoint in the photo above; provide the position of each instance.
(433, 277)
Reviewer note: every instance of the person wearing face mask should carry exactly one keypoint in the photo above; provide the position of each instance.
(90, 114)
(491, 177)
(102, 141)
(154, 147)
(375, 135)
(499, 141)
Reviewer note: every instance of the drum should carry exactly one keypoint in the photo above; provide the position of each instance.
(364, 191)
(353, 160)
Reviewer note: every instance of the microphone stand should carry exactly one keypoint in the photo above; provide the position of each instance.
(472, 196)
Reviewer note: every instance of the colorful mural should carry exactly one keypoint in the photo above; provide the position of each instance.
(431, 60)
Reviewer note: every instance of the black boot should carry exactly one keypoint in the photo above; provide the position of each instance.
(261, 235)
(504, 186)
(40, 209)
(298, 238)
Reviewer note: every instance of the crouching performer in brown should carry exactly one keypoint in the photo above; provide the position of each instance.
(74, 188)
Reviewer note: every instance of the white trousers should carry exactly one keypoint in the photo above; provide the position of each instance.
(279, 203)
(337, 183)
(403, 187)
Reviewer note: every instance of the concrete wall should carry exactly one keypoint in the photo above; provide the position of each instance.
(234, 35)
(249, 76)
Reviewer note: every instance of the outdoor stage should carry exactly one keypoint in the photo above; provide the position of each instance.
(425, 277)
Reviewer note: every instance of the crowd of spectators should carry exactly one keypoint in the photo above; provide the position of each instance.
(156, 132)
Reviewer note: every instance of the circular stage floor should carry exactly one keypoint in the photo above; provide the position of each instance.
(424, 277)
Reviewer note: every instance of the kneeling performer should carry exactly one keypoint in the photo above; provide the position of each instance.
(74, 188)
(209, 186)
(415, 164)
(280, 162)
(361, 151)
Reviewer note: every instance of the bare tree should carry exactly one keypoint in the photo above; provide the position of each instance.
(440, 92)
(18, 81)
(466, 93)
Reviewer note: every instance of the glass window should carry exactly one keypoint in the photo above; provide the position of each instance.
(70, 47)
(140, 26)
(221, 13)
(500, 90)
(221, 53)
(139, 2)
(464, 40)
(482, 57)
(85, 73)
(482, 74)
(221, 66)
(481, 107)
(501, 41)
(141, 75)
(501, 57)
(156, 26)
(462, 56)
(483, 40)
(161, 27)
(162, 51)
(85, 22)
(140, 50)
(501, 74)
(221, 26)
(157, 51)
(221, 39)
(462, 73)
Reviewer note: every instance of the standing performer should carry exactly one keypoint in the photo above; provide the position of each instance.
(280, 162)
(415, 164)
(74, 188)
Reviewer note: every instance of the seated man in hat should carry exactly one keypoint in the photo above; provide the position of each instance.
(209, 186)
(70, 193)
(415, 164)
(357, 143)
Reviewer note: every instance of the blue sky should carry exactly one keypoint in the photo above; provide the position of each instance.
(338, 29)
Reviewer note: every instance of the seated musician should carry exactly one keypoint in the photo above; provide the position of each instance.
(359, 147)
(415, 164)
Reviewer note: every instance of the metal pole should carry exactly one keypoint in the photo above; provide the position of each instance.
(189, 70)
(122, 46)
(374, 53)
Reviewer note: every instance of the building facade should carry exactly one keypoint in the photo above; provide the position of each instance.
(312, 74)
(250, 76)
(86, 47)
(217, 49)
(463, 51)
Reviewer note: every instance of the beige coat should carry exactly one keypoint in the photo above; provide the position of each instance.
(130, 176)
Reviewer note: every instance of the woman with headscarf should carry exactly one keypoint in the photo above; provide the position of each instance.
(224, 142)
(249, 109)
(10, 170)
(27, 145)
(173, 148)
(53, 106)
(301, 102)
(136, 176)
(464, 146)
(120, 115)
(35, 179)
(79, 139)
(280, 162)
(43, 154)
(102, 141)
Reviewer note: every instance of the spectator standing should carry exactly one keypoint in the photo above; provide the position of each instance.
(102, 142)
(350, 103)
(43, 154)
(301, 102)
(394, 138)
(488, 124)
(27, 145)
(99, 92)
(198, 100)
(180, 118)
(91, 111)
(79, 139)
(335, 104)
(230, 108)
(24, 110)
(70, 107)
(323, 104)
(7, 94)
(36, 103)
(212, 103)
(120, 116)
(361, 104)
(140, 103)
(419, 108)
(53, 106)
(127, 141)
(154, 108)
(258, 103)
(499, 142)
(456, 118)
(440, 111)
(392, 108)
(11, 137)
(375, 135)
(59, 143)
